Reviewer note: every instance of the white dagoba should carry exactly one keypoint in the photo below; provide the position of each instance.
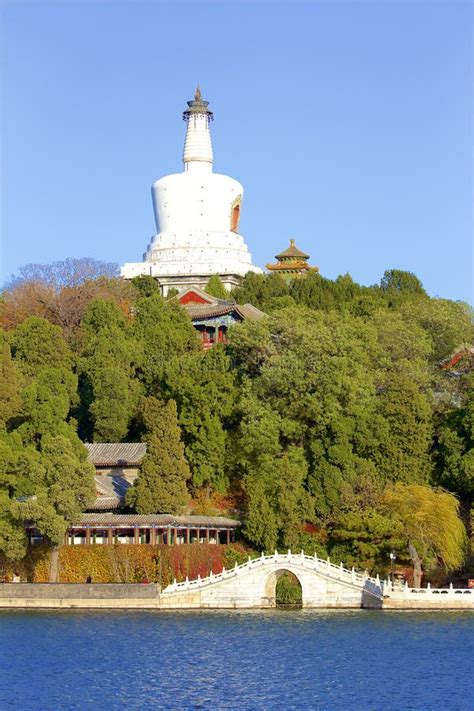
(197, 215)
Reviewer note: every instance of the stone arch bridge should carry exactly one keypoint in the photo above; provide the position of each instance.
(253, 584)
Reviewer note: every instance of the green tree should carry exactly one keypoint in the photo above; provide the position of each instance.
(13, 540)
(215, 287)
(49, 485)
(454, 452)
(10, 400)
(364, 538)
(146, 285)
(36, 343)
(405, 453)
(161, 484)
(204, 388)
(257, 289)
(109, 360)
(401, 282)
(447, 324)
(431, 526)
(276, 502)
(165, 331)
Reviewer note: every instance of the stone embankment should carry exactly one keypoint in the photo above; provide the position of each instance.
(250, 585)
(73, 595)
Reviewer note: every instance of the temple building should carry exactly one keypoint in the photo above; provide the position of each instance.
(212, 317)
(105, 522)
(197, 215)
(291, 263)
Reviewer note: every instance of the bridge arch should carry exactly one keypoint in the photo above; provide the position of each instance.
(269, 591)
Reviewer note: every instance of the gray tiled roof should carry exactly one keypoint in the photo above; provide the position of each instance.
(105, 503)
(248, 311)
(116, 453)
(245, 311)
(110, 519)
(111, 490)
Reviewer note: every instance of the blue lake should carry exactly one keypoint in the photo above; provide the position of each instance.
(236, 660)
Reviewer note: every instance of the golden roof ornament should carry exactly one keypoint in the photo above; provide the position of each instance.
(198, 106)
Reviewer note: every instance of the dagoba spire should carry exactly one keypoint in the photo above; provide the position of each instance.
(197, 144)
(197, 217)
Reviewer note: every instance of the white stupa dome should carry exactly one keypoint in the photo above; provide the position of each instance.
(197, 214)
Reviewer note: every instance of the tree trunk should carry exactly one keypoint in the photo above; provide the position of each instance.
(54, 565)
(417, 568)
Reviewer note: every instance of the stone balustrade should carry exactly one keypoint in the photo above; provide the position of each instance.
(402, 596)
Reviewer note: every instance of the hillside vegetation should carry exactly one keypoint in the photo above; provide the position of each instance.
(312, 424)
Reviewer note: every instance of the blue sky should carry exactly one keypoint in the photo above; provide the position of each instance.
(348, 123)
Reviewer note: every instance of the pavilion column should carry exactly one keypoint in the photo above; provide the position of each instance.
(136, 534)
(153, 536)
(88, 536)
(110, 537)
(168, 536)
(207, 536)
(65, 539)
(228, 536)
(188, 536)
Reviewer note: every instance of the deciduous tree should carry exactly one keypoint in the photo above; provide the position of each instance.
(432, 528)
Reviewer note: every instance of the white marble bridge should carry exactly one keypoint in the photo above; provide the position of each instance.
(253, 584)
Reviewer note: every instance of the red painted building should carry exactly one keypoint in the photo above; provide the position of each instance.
(212, 317)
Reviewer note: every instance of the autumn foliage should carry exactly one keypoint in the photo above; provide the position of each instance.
(126, 563)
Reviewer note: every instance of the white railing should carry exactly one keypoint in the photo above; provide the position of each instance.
(318, 565)
(403, 592)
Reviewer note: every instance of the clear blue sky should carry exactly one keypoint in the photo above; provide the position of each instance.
(350, 125)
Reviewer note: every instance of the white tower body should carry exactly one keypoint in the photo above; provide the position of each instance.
(197, 216)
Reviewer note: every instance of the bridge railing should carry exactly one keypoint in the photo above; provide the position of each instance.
(403, 592)
(324, 567)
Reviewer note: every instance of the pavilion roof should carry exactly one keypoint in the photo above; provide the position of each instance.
(202, 297)
(292, 251)
(289, 266)
(116, 454)
(245, 311)
(111, 519)
(111, 490)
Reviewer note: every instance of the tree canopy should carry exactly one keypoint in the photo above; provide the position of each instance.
(328, 425)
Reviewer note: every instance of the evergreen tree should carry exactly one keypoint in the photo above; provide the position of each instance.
(365, 537)
(165, 331)
(13, 540)
(454, 453)
(108, 388)
(37, 344)
(400, 282)
(215, 287)
(204, 388)
(161, 484)
(146, 285)
(10, 400)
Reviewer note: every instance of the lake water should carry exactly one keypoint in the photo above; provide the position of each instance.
(236, 660)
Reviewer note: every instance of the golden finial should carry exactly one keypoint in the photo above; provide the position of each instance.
(197, 94)
(292, 242)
